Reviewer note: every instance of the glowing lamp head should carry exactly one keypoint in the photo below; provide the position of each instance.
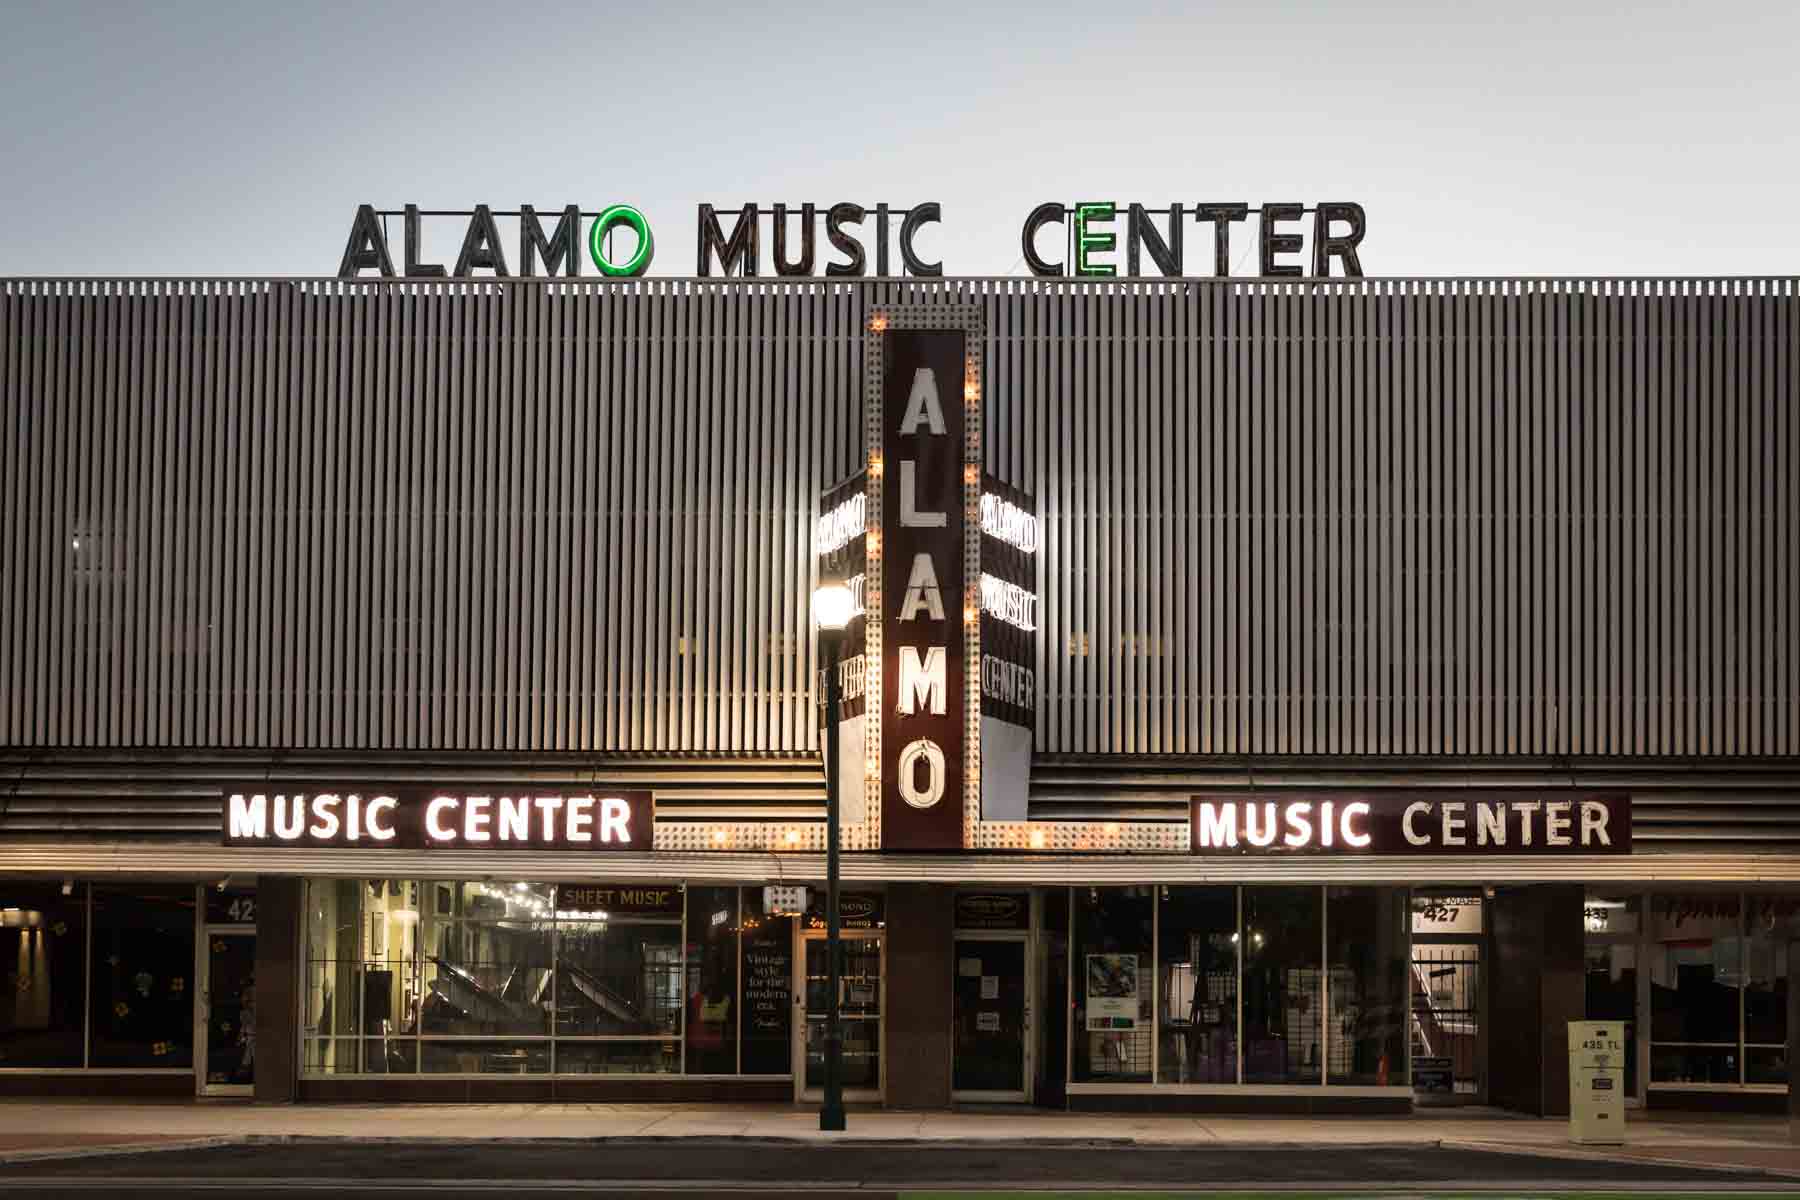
(832, 606)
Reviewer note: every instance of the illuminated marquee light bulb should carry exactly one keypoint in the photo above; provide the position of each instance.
(878, 323)
(1036, 839)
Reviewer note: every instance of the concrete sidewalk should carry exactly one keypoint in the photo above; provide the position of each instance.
(38, 1128)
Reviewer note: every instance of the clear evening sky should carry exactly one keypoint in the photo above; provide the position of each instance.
(1517, 138)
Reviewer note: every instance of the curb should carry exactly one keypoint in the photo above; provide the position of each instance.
(52, 1153)
(1585, 1154)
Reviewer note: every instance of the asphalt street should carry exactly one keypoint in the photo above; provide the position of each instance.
(524, 1170)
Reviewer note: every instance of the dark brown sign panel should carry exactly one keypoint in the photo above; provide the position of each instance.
(922, 678)
(424, 818)
(993, 910)
(1471, 822)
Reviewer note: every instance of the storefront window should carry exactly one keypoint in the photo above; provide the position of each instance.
(43, 956)
(1696, 973)
(1611, 922)
(1114, 961)
(499, 977)
(1284, 1026)
(1367, 987)
(1197, 942)
(141, 999)
(487, 977)
(712, 983)
(1771, 921)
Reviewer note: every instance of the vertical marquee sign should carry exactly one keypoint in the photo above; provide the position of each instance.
(924, 692)
(939, 670)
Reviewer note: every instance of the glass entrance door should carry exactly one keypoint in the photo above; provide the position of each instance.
(861, 992)
(228, 1012)
(992, 1019)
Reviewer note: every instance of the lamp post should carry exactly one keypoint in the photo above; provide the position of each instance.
(832, 610)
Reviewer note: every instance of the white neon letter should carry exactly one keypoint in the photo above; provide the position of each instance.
(1416, 808)
(477, 812)
(247, 816)
(1358, 838)
(1557, 819)
(922, 683)
(922, 404)
(578, 826)
(1218, 826)
(933, 754)
(434, 828)
(1593, 823)
(290, 817)
(1300, 830)
(910, 516)
(1262, 834)
(380, 830)
(615, 820)
(512, 819)
(922, 591)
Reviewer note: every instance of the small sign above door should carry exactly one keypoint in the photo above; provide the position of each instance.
(993, 910)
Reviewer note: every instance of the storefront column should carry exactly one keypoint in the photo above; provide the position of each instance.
(921, 923)
(1537, 986)
(278, 912)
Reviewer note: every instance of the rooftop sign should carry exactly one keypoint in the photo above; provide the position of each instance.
(1101, 238)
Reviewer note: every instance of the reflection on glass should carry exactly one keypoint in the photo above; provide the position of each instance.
(486, 978)
(618, 1058)
(712, 984)
(1611, 921)
(484, 1058)
(1284, 1028)
(617, 978)
(141, 998)
(1368, 985)
(1112, 964)
(43, 952)
(1197, 958)
(859, 1011)
(1696, 970)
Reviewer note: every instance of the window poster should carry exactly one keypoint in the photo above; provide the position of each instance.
(1112, 991)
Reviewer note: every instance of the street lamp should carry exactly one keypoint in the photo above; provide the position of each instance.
(833, 607)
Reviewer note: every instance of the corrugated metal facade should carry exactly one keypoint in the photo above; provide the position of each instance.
(1482, 518)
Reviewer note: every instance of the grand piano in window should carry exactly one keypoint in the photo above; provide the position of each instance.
(458, 1002)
